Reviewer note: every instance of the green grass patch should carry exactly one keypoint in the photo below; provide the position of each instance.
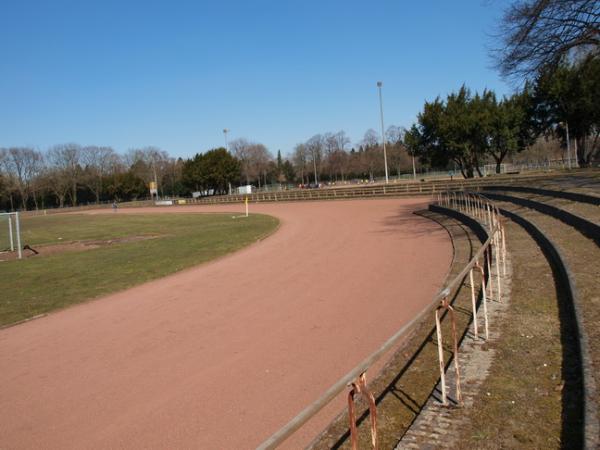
(41, 283)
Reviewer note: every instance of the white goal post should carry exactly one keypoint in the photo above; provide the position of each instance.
(14, 231)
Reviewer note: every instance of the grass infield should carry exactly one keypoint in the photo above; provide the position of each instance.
(95, 255)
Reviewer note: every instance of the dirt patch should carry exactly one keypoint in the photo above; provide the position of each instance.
(77, 246)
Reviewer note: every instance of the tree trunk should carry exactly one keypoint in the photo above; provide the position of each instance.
(582, 157)
(476, 164)
(74, 194)
(595, 150)
(498, 163)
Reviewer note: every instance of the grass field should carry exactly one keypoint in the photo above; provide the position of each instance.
(144, 247)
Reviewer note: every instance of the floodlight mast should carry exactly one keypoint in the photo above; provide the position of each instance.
(379, 84)
(225, 131)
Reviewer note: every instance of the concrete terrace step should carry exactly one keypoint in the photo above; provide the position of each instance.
(581, 255)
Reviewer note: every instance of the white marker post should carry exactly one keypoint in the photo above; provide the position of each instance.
(18, 230)
(246, 206)
(10, 234)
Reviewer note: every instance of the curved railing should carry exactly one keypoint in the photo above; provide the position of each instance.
(491, 254)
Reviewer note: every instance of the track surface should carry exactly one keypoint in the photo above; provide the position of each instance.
(221, 355)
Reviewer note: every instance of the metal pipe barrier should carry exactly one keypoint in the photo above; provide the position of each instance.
(482, 210)
(371, 191)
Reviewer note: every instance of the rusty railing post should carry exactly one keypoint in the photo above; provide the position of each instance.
(497, 250)
(456, 366)
(483, 299)
(444, 304)
(473, 303)
(360, 387)
(503, 250)
(438, 330)
(488, 258)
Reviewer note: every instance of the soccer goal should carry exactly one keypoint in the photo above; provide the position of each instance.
(10, 233)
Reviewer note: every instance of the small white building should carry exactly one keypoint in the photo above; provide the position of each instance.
(245, 189)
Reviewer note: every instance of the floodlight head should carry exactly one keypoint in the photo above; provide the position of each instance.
(379, 84)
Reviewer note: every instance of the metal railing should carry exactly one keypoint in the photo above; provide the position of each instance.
(426, 188)
(487, 214)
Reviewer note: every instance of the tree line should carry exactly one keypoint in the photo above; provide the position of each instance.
(71, 174)
(551, 48)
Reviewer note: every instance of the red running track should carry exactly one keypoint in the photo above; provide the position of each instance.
(221, 355)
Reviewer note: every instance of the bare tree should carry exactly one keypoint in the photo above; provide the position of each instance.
(8, 182)
(398, 156)
(65, 158)
(538, 33)
(64, 161)
(335, 156)
(338, 162)
(240, 148)
(98, 162)
(370, 138)
(372, 157)
(300, 160)
(148, 163)
(329, 143)
(260, 159)
(315, 146)
(254, 159)
(23, 165)
(57, 182)
(394, 134)
(342, 140)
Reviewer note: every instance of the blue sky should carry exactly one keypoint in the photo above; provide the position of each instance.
(174, 74)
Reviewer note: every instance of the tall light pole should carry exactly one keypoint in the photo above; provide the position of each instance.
(225, 131)
(379, 84)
